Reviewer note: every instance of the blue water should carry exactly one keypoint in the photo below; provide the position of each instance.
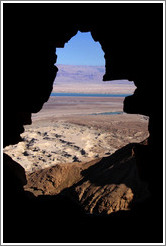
(87, 95)
(107, 113)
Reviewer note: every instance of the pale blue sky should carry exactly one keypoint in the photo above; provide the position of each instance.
(81, 50)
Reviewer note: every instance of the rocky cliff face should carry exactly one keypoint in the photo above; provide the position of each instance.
(101, 186)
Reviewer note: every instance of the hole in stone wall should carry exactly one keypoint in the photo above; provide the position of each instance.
(83, 119)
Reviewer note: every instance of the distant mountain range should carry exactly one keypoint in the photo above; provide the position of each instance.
(72, 73)
(88, 79)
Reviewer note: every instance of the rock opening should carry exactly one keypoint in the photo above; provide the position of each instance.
(133, 49)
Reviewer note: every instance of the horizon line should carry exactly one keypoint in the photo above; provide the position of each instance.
(56, 64)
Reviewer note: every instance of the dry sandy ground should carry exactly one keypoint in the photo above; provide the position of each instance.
(102, 88)
(67, 131)
(58, 107)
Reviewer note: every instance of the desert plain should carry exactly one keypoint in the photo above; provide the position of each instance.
(77, 129)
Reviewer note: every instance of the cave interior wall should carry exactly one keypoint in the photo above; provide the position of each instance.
(130, 36)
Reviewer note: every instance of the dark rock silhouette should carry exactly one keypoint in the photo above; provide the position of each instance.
(100, 186)
(47, 218)
(131, 37)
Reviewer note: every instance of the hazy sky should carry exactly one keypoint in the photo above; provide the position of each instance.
(81, 50)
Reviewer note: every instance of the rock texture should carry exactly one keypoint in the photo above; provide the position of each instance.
(51, 181)
(59, 142)
(112, 184)
(101, 186)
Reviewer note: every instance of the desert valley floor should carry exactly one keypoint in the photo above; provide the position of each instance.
(77, 129)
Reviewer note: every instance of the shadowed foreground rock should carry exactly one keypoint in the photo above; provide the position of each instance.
(69, 199)
(101, 186)
(58, 215)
